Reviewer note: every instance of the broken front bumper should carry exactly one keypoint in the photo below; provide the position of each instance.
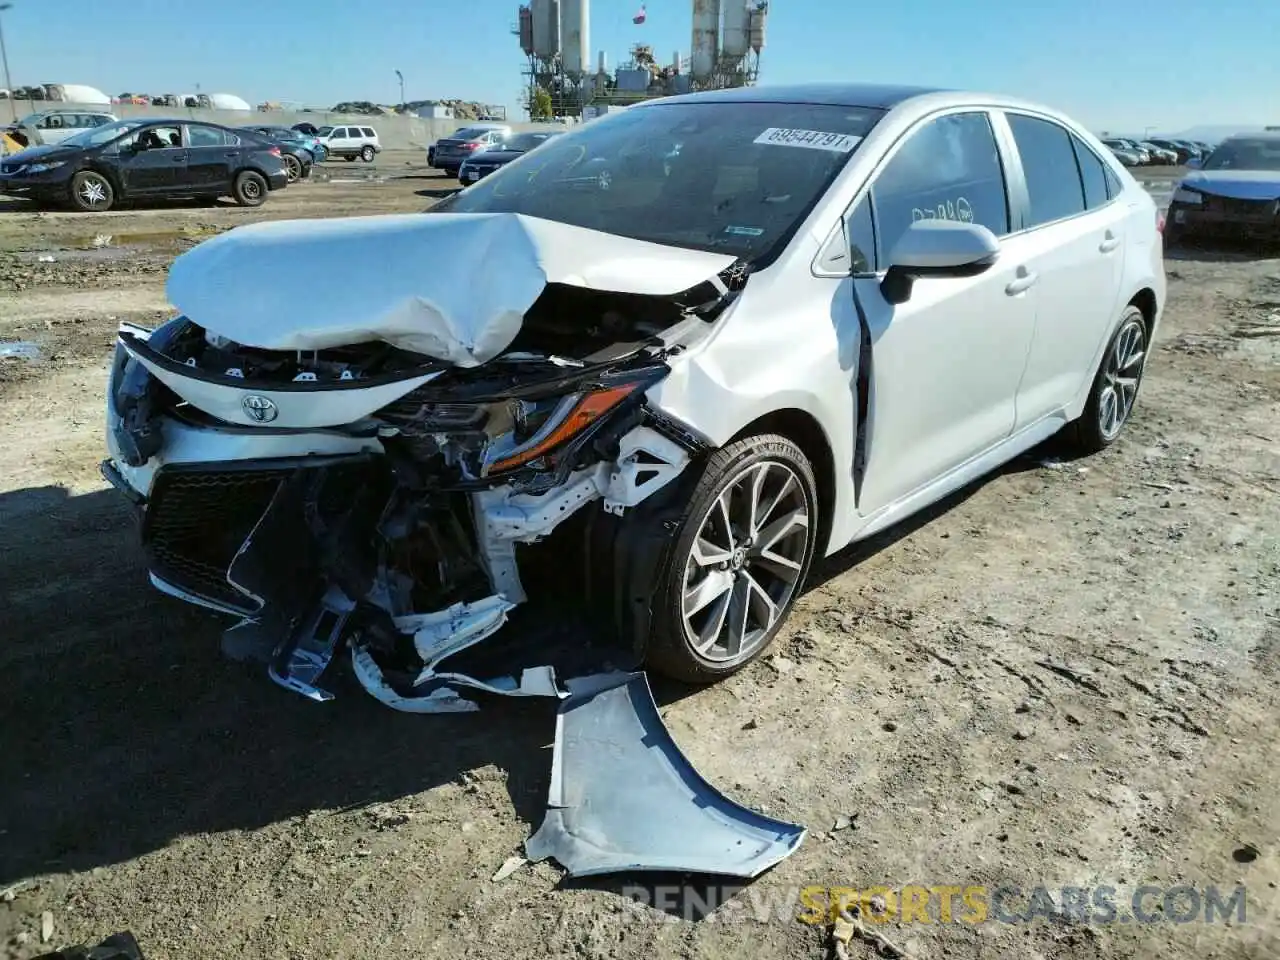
(1227, 219)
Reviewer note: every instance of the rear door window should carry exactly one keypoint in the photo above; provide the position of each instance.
(1054, 187)
(1093, 174)
(205, 137)
(949, 169)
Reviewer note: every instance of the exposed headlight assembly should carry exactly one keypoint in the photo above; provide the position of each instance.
(544, 425)
(45, 167)
(1186, 195)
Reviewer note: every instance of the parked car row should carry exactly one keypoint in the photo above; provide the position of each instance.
(135, 159)
(1155, 151)
(473, 152)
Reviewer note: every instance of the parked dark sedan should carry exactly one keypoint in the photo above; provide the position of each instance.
(1233, 193)
(300, 151)
(480, 165)
(142, 159)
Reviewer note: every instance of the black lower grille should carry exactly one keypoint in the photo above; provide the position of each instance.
(1250, 209)
(196, 522)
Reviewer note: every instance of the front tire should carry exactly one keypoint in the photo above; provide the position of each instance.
(1115, 387)
(250, 189)
(92, 192)
(745, 545)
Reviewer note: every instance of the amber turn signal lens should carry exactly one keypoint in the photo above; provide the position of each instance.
(588, 410)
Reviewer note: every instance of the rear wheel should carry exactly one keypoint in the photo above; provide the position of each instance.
(745, 546)
(349, 158)
(367, 154)
(293, 167)
(1115, 387)
(250, 189)
(92, 192)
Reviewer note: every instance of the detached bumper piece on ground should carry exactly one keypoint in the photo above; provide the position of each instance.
(623, 798)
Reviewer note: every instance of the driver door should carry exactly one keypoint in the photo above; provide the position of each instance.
(946, 364)
(155, 161)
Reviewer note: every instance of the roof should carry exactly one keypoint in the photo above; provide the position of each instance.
(881, 96)
(1271, 136)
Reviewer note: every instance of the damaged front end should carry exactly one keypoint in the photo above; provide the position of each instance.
(370, 495)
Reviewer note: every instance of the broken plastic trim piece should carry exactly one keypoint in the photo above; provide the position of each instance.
(442, 697)
(623, 797)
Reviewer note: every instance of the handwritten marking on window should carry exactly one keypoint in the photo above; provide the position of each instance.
(958, 209)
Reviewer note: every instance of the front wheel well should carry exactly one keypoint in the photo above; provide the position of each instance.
(803, 430)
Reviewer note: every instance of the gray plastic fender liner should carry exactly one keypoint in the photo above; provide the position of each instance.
(623, 797)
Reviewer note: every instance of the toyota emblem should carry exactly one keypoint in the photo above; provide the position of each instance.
(259, 409)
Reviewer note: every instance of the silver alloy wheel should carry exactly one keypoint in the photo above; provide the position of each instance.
(93, 191)
(294, 167)
(1120, 376)
(745, 563)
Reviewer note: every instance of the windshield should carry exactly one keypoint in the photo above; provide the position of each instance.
(525, 141)
(1252, 154)
(97, 136)
(736, 178)
(324, 131)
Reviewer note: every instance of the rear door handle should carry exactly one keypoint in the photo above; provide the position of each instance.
(179, 157)
(1109, 243)
(1022, 283)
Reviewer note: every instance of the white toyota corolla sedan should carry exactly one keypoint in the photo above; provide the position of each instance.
(694, 344)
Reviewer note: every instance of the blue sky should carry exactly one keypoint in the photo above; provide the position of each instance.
(1122, 65)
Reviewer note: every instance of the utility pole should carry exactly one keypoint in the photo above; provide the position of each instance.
(4, 54)
(401, 76)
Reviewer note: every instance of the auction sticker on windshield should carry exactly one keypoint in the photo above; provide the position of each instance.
(811, 139)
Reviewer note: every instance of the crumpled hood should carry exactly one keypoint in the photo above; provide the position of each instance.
(451, 286)
(1236, 184)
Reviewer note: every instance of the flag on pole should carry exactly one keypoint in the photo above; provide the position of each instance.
(639, 17)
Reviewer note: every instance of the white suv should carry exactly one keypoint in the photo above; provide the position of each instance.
(350, 142)
(53, 126)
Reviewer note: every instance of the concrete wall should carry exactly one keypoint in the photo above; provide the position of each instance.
(394, 132)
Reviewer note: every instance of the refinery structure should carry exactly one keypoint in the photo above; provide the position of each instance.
(726, 40)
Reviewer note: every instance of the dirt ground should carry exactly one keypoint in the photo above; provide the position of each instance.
(1065, 675)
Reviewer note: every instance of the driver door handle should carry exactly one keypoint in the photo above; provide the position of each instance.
(1023, 282)
(1109, 242)
(179, 157)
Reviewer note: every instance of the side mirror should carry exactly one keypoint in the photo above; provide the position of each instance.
(937, 248)
(1194, 163)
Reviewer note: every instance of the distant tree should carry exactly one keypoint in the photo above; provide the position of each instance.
(539, 104)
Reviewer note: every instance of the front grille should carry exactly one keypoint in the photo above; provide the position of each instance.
(1249, 209)
(196, 522)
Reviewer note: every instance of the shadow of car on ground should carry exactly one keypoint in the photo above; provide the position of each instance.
(136, 730)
